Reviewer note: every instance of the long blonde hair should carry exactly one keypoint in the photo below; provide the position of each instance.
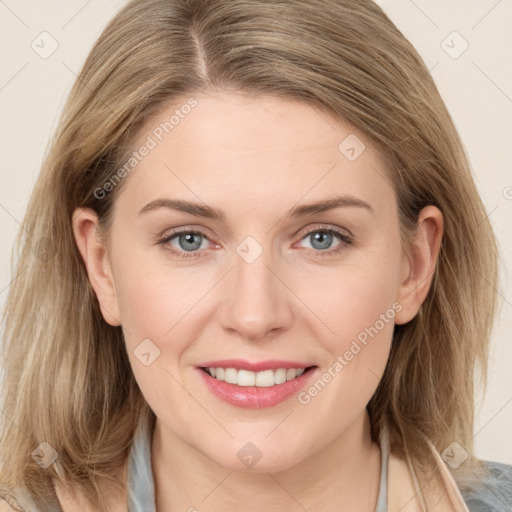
(68, 380)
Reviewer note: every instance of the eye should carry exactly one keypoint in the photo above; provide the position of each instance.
(189, 241)
(185, 243)
(322, 239)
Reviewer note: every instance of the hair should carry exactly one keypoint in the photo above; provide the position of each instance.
(67, 378)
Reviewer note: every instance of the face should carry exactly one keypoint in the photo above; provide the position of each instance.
(253, 277)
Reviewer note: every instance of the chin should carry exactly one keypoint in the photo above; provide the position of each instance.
(249, 459)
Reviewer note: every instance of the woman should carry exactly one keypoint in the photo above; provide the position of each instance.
(259, 227)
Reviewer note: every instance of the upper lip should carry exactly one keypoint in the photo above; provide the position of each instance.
(241, 364)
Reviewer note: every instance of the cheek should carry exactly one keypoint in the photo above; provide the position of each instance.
(361, 304)
(153, 295)
(143, 302)
(354, 296)
(363, 322)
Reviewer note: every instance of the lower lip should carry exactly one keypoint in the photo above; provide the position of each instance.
(254, 397)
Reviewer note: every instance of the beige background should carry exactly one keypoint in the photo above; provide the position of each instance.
(476, 85)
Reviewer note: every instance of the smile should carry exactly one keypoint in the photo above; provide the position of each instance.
(255, 385)
(263, 379)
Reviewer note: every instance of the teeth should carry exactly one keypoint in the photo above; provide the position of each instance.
(231, 376)
(245, 378)
(262, 379)
(280, 376)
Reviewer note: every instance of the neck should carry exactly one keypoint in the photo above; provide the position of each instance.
(342, 476)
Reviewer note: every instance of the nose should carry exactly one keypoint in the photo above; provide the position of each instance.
(258, 302)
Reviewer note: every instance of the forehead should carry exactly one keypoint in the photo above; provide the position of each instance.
(229, 147)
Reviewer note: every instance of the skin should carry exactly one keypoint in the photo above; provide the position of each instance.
(255, 159)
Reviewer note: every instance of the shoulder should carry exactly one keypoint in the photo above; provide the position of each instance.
(73, 500)
(68, 498)
(493, 493)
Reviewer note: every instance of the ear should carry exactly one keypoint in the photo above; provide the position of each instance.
(95, 255)
(417, 269)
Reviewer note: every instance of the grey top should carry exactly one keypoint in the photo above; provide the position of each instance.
(493, 495)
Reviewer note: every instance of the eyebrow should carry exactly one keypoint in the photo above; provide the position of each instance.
(203, 210)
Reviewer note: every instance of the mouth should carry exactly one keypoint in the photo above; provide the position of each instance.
(255, 385)
(261, 379)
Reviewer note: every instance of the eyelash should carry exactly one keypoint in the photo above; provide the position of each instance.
(345, 239)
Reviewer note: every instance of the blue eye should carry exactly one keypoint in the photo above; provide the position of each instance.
(186, 242)
(321, 240)
(189, 241)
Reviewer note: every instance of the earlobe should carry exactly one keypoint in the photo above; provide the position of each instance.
(418, 268)
(97, 262)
